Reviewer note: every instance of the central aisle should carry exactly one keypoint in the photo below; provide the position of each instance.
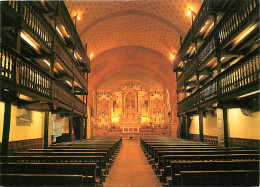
(131, 168)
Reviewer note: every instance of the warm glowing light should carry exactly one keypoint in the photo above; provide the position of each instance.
(59, 66)
(25, 97)
(68, 82)
(115, 119)
(78, 18)
(91, 55)
(222, 58)
(245, 33)
(172, 56)
(47, 62)
(252, 93)
(190, 12)
(202, 29)
(29, 40)
(59, 31)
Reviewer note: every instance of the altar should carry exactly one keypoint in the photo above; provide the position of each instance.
(130, 127)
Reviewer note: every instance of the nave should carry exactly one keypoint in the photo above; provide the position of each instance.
(131, 167)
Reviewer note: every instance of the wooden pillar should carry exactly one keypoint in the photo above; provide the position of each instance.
(81, 128)
(70, 125)
(6, 128)
(226, 128)
(46, 129)
(201, 126)
(85, 127)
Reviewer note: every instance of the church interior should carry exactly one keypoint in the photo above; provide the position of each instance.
(129, 93)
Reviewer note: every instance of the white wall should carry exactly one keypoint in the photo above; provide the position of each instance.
(241, 126)
(32, 130)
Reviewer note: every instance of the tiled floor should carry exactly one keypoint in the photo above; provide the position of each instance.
(131, 168)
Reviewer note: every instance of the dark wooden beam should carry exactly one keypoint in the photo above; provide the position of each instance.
(46, 129)
(36, 106)
(205, 72)
(201, 126)
(226, 131)
(6, 128)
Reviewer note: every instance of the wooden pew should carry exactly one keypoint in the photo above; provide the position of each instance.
(60, 159)
(178, 166)
(220, 178)
(40, 180)
(159, 157)
(111, 158)
(168, 158)
(88, 170)
(154, 151)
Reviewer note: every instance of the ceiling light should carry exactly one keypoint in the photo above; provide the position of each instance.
(29, 40)
(47, 62)
(91, 55)
(68, 82)
(172, 56)
(249, 94)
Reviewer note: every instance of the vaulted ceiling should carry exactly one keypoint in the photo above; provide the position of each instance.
(132, 36)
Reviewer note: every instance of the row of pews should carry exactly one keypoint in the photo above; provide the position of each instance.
(180, 162)
(79, 163)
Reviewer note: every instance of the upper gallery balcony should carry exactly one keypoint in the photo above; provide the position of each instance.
(232, 35)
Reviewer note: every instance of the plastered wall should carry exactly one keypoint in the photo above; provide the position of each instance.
(31, 129)
(240, 126)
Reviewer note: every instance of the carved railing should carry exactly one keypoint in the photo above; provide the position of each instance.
(8, 65)
(189, 70)
(34, 20)
(23, 72)
(80, 77)
(244, 73)
(63, 94)
(63, 53)
(241, 74)
(205, 10)
(41, 27)
(232, 20)
(236, 17)
(79, 105)
(206, 51)
(67, 20)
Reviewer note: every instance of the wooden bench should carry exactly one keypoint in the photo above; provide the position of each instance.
(100, 171)
(107, 150)
(220, 178)
(88, 170)
(168, 158)
(178, 166)
(160, 154)
(153, 154)
(40, 180)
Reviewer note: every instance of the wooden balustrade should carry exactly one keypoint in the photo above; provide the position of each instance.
(29, 75)
(240, 75)
(190, 69)
(23, 73)
(63, 53)
(63, 94)
(205, 52)
(244, 73)
(235, 18)
(41, 27)
(36, 22)
(8, 65)
(67, 20)
(204, 12)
